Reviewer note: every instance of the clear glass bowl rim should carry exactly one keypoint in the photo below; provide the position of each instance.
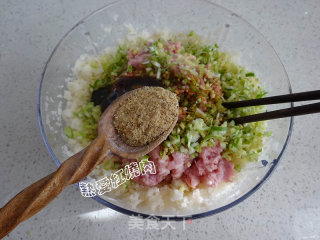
(171, 218)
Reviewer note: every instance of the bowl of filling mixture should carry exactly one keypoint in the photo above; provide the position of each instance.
(202, 53)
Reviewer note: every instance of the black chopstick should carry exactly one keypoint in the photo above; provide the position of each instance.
(288, 112)
(294, 97)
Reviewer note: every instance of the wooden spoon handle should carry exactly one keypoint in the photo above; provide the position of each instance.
(35, 197)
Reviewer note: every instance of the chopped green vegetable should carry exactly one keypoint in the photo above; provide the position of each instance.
(89, 116)
(111, 164)
(203, 77)
(69, 132)
(250, 74)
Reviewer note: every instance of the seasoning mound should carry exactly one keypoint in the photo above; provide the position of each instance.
(145, 115)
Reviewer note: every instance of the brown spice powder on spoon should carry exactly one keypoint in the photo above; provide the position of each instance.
(141, 118)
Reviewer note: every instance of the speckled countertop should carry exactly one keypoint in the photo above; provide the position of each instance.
(286, 207)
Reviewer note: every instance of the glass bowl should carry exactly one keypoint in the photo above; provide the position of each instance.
(222, 26)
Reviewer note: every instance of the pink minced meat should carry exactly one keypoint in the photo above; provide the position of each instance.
(172, 47)
(137, 60)
(171, 168)
(210, 168)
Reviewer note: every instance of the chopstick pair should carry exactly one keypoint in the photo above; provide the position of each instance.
(288, 112)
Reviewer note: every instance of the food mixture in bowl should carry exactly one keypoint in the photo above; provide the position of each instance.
(204, 150)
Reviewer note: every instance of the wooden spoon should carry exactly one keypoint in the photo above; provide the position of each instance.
(35, 197)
